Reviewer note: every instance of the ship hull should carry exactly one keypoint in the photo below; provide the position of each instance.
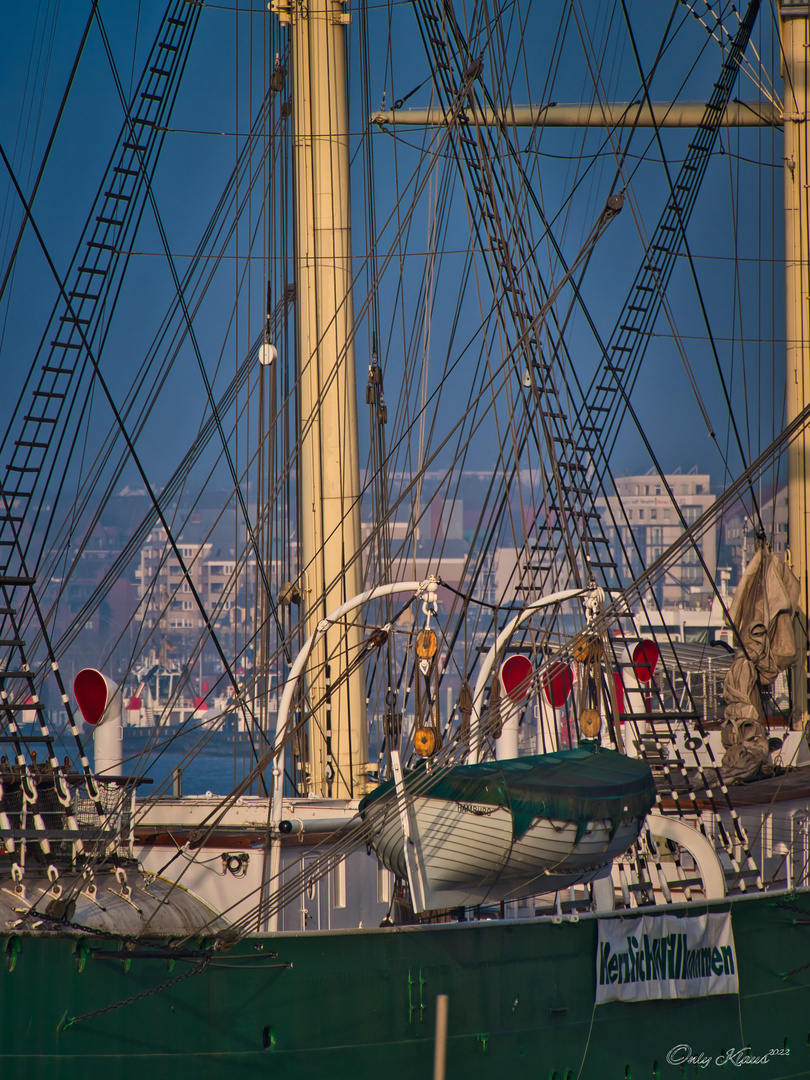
(337, 1004)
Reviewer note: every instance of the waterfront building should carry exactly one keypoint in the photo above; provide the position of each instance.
(646, 515)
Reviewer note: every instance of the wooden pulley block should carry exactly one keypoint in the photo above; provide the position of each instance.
(426, 645)
(587, 648)
(590, 723)
(581, 649)
(377, 638)
(426, 741)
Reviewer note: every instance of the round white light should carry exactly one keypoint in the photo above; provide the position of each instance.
(267, 354)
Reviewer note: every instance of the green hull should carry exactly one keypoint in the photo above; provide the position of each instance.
(361, 1004)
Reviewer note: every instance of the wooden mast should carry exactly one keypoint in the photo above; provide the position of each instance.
(795, 43)
(329, 472)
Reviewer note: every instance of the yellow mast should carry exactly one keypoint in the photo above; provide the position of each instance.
(329, 480)
(795, 43)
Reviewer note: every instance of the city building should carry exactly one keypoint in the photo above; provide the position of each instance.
(167, 595)
(646, 515)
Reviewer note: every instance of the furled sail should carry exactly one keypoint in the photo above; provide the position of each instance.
(762, 615)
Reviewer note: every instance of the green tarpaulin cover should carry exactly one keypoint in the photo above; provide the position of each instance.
(581, 785)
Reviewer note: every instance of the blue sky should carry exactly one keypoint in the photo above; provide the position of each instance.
(226, 73)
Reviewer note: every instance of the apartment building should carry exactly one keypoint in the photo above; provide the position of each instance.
(166, 593)
(646, 515)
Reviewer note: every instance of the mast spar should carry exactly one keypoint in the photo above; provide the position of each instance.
(329, 470)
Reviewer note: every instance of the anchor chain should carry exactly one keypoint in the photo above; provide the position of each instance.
(68, 1021)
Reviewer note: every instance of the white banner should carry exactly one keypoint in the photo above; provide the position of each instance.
(661, 956)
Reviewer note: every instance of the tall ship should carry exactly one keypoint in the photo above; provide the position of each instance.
(400, 401)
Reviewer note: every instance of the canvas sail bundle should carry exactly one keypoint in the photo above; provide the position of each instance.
(762, 614)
